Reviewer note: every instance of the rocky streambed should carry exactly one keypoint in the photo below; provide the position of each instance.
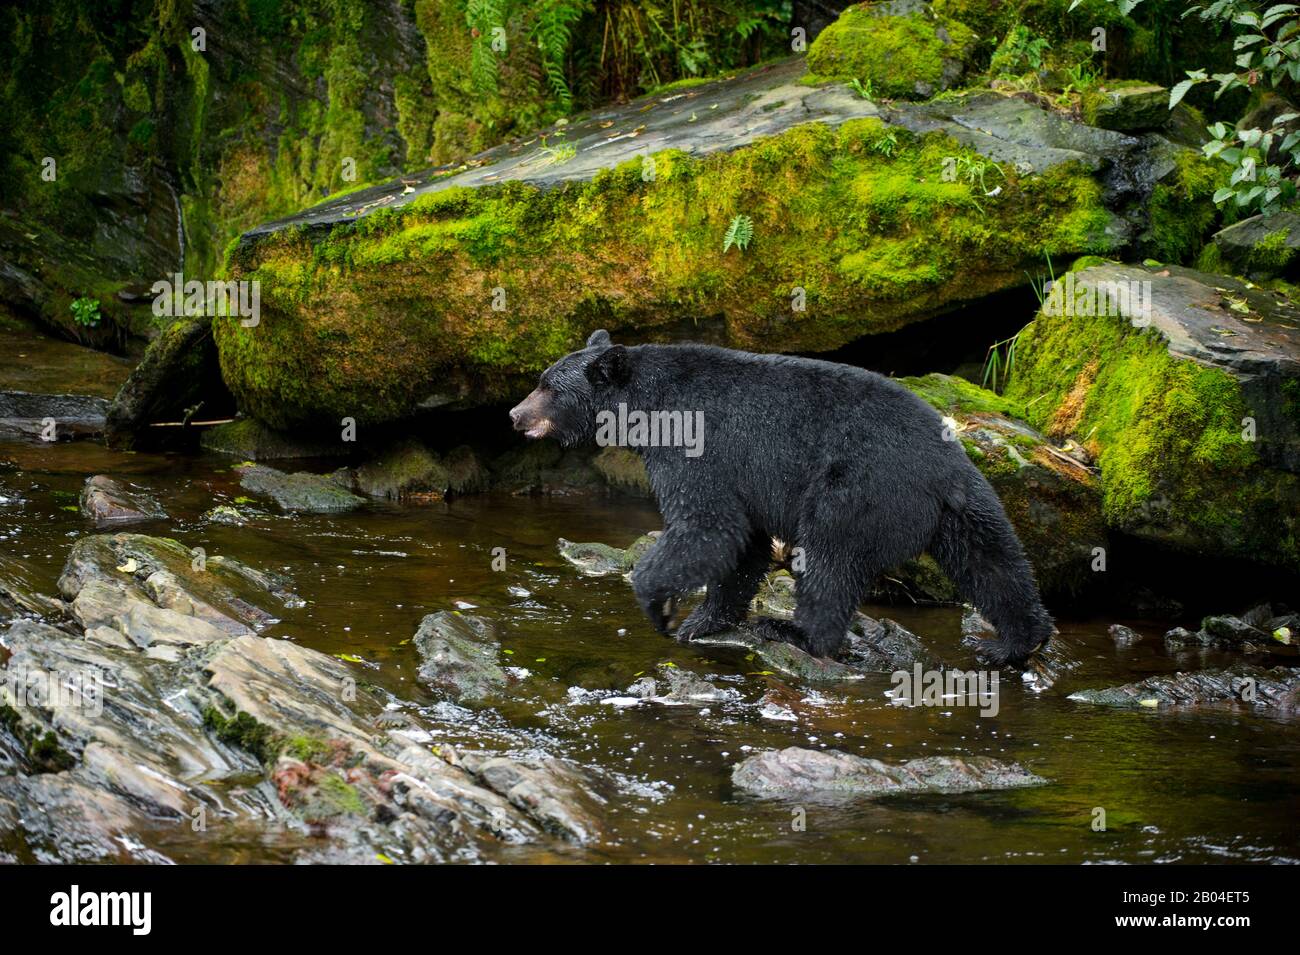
(451, 680)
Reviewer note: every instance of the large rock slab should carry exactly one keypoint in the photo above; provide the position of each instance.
(806, 772)
(858, 213)
(1181, 386)
(239, 731)
(51, 417)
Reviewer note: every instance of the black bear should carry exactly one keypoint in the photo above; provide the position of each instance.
(848, 466)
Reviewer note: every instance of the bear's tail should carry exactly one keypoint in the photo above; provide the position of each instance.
(978, 549)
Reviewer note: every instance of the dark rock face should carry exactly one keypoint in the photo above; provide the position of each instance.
(179, 378)
(28, 415)
(796, 772)
(1276, 689)
(1262, 246)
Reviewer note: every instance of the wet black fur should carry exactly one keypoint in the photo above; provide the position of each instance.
(841, 462)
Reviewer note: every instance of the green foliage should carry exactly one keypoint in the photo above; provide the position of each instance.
(1266, 44)
(1020, 51)
(739, 233)
(85, 312)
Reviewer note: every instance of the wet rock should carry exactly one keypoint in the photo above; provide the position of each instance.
(225, 514)
(555, 792)
(602, 560)
(299, 492)
(882, 645)
(107, 503)
(687, 687)
(795, 771)
(1045, 666)
(1123, 636)
(18, 598)
(405, 469)
(782, 657)
(1128, 107)
(460, 655)
(51, 417)
(1262, 629)
(247, 730)
(129, 569)
(1262, 246)
(251, 440)
(1278, 688)
(776, 595)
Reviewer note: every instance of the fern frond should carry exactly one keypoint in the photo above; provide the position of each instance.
(740, 233)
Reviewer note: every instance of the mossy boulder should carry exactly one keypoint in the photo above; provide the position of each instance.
(1262, 246)
(1185, 389)
(899, 48)
(458, 291)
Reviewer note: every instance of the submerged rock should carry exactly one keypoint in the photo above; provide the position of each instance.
(1278, 688)
(602, 560)
(782, 657)
(299, 492)
(795, 771)
(107, 502)
(460, 655)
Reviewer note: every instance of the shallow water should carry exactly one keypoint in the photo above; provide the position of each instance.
(1176, 787)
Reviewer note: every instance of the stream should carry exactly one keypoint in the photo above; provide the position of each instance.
(1190, 786)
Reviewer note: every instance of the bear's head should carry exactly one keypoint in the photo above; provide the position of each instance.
(570, 393)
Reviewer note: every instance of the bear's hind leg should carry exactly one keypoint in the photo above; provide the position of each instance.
(727, 601)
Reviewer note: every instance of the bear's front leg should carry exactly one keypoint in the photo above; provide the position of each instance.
(683, 559)
(728, 599)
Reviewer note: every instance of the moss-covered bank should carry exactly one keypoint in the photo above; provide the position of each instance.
(1188, 451)
(855, 231)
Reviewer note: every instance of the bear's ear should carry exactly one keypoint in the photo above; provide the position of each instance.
(613, 366)
(599, 339)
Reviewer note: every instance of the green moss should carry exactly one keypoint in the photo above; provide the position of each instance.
(949, 393)
(42, 750)
(1166, 434)
(359, 321)
(1182, 210)
(907, 56)
(243, 731)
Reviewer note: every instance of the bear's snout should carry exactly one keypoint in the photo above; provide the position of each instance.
(529, 416)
